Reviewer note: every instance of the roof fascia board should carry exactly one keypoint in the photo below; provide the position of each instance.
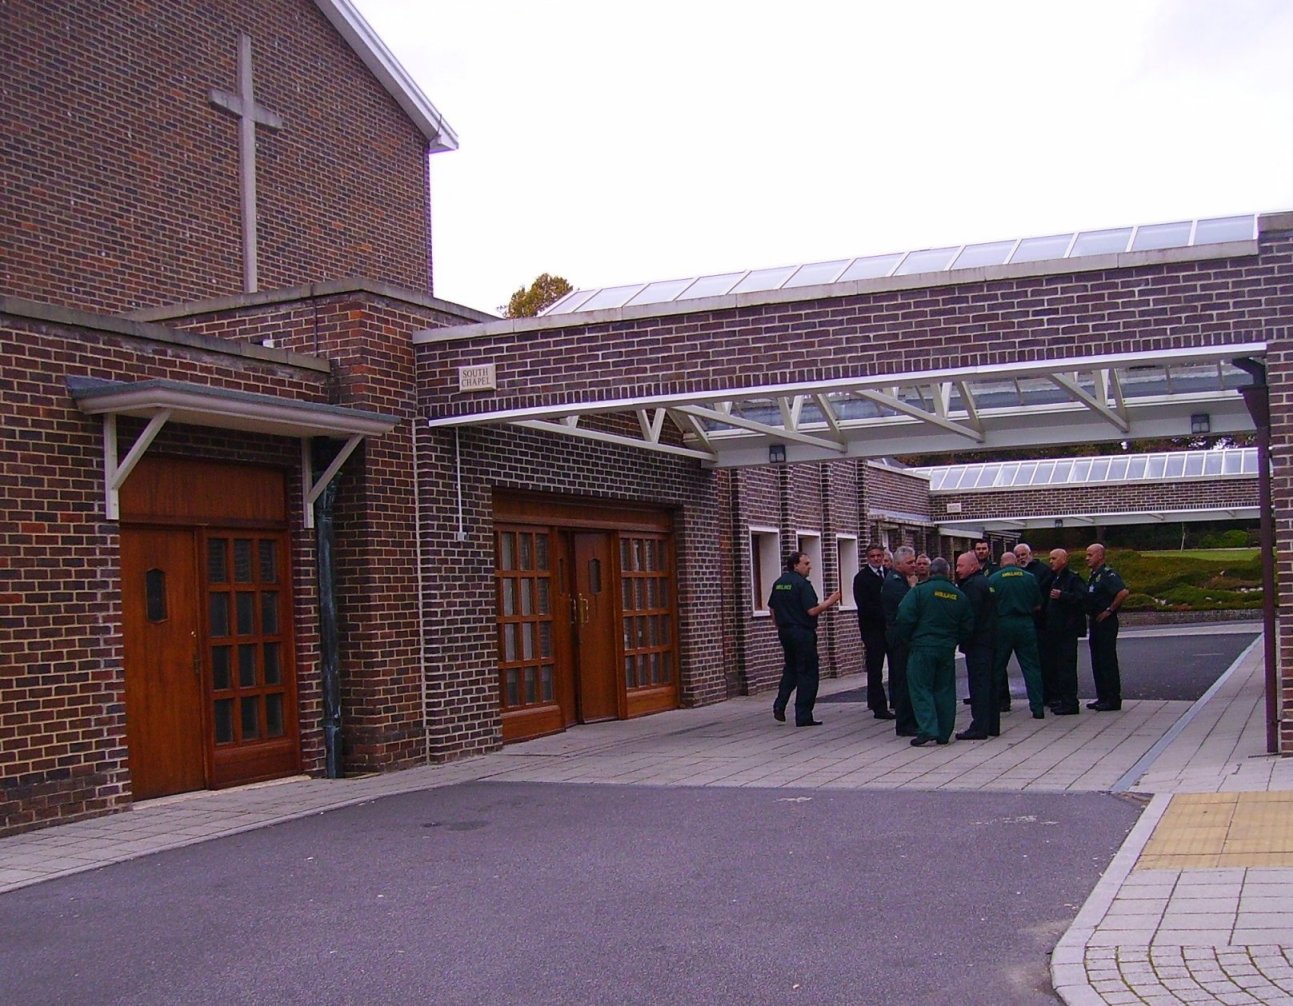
(383, 65)
(853, 288)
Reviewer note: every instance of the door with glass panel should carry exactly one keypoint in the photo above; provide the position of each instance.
(248, 656)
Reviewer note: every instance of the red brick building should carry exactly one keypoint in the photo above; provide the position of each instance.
(269, 506)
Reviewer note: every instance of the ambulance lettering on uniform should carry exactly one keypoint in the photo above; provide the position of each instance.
(783, 586)
(946, 595)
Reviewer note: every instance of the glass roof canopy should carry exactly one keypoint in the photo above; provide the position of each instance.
(1024, 404)
(1105, 469)
(1053, 247)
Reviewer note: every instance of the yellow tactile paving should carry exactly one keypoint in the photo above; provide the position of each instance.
(1207, 830)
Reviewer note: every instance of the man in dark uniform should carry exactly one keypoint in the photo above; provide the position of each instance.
(794, 608)
(985, 707)
(984, 552)
(866, 595)
(1063, 621)
(1018, 597)
(933, 619)
(894, 589)
(1025, 559)
(1105, 593)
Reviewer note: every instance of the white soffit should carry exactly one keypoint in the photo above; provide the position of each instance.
(1127, 396)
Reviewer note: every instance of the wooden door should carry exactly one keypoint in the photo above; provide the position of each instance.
(596, 684)
(165, 736)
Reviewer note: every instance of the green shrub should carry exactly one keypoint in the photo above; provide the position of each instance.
(1182, 582)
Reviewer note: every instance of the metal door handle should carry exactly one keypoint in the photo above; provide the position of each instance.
(583, 610)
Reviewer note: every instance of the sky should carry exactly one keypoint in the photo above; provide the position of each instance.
(622, 143)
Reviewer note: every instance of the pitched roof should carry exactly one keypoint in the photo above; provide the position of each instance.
(388, 71)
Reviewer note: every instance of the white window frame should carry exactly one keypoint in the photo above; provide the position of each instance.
(810, 543)
(765, 566)
(850, 561)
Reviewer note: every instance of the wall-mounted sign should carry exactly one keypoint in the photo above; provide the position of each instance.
(478, 378)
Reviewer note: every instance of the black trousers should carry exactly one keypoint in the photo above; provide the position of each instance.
(985, 698)
(1059, 668)
(873, 641)
(799, 673)
(904, 719)
(1104, 661)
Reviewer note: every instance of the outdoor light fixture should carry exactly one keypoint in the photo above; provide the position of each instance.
(1200, 422)
(1059, 521)
(776, 453)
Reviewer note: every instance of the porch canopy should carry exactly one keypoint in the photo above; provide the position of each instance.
(1035, 403)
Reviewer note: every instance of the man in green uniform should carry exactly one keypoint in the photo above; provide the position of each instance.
(933, 619)
(794, 609)
(1018, 597)
(1105, 594)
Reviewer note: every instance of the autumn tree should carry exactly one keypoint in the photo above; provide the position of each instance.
(544, 291)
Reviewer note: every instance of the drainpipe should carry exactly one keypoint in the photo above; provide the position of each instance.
(329, 646)
(1257, 399)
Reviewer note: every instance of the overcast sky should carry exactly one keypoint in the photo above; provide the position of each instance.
(619, 143)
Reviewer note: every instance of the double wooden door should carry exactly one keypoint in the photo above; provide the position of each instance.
(585, 623)
(210, 672)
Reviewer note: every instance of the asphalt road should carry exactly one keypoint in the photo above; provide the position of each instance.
(1180, 667)
(567, 894)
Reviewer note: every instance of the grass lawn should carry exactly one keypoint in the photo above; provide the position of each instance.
(1211, 554)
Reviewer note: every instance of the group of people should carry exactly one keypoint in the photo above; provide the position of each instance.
(914, 616)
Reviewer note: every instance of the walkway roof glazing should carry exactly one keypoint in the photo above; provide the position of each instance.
(1158, 466)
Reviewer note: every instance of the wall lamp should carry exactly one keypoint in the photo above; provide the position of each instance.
(1201, 422)
(776, 454)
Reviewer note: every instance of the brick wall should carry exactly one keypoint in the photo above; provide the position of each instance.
(62, 727)
(121, 179)
(1191, 494)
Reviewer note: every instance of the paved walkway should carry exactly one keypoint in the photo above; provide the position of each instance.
(1197, 906)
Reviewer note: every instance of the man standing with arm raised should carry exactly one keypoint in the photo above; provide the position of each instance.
(794, 608)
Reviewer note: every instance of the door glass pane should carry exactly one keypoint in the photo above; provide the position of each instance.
(630, 675)
(269, 613)
(545, 639)
(509, 596)
(242, 560)
(627, 586)
(273, 666)
(506, 550)
(545, 680)
(247, 665)
(217, 552)
(541, 551)
(512, 687)
(220, 669)
(545, 600)
(527, 640)
(531, 691)
(626, 556)
(219, 614)
(525, 588)
(273, 715)
(246, 613)
(250, 708)
(527, 551)
(155, 595)
(509, 642)
(268, 562)
(224, 721)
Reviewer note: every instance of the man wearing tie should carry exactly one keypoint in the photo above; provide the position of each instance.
(866, 595)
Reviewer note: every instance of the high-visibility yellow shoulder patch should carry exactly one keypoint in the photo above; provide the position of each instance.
(946, 595)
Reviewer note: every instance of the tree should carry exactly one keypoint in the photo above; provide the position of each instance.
(544, 291)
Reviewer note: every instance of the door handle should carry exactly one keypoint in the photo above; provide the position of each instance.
(583, 610)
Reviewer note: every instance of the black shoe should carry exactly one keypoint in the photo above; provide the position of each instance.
(965, 702)
(810, 723)
(1092, 705)
(1063, 710)
(972, 735)
(920, 740)
(906, 733)
(943, 740)
(1105, 707)
(778, 714)
(884, 714)
(1039, 714)
(1004, 709)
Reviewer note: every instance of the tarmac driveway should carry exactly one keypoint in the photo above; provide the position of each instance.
(538, 893)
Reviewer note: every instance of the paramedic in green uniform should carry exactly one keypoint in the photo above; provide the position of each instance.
(794, 609)
(1018, 598)
(933, 619)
